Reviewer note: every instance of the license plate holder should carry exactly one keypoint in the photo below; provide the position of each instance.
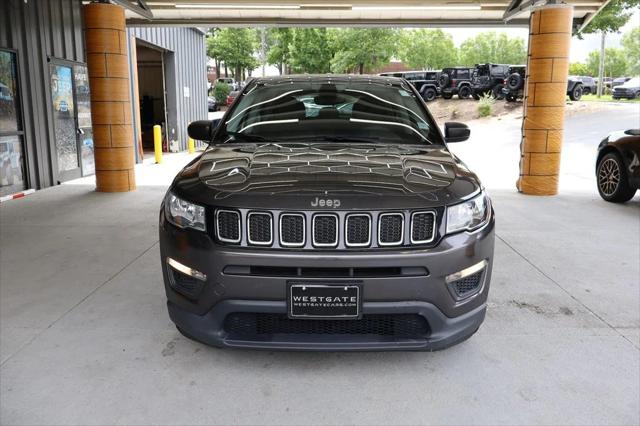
(324, 300)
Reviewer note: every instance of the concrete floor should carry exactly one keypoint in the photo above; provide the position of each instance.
(85, 337)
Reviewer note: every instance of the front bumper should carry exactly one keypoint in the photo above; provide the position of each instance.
(202, 316)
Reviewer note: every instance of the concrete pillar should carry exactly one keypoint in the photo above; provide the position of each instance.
(544, 103)
(106, 45)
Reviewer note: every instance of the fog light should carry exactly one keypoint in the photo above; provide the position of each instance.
(467, 282)
(186, 270)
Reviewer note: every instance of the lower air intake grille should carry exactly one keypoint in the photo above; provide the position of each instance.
(260, 325)
(391, 229)
(358, 230)
(260, 230)
(228, 226)
(468, 285)
(292, 229)
(325, 230)
(184, 284)
(422, 227)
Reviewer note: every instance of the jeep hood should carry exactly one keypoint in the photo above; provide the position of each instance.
(263, 175)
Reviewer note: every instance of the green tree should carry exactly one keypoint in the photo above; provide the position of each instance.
(427, 49)
(235, 47)
(362, 48)
(279, 53)
(310, 50)
(578, 68)
(609, 20)
(631, 44)
(615, 62)
(492, 47)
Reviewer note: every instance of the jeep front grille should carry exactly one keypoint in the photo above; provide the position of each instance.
(326, 230)
(260, 228)
(391, 229)
(228, 226)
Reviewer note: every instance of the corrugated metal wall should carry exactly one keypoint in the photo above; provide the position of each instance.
(185, 66)
(39, 30)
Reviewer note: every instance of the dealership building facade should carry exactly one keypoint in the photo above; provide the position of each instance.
(56, 116)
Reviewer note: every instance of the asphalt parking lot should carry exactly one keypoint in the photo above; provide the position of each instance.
(85, 337)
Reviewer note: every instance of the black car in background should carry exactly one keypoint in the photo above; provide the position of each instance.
(628, 90)
(455, 81)
(618, 81)
(488, 79)
(618, 166)
(589, 84)
(514, 84)
(425, 82)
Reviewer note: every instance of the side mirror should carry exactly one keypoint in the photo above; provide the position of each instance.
(456, 132)
(202, 130)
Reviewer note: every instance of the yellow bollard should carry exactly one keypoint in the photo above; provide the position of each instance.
(191, 145)
(157, 143)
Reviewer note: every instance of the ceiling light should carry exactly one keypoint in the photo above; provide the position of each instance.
(233, 6)
(391, 8)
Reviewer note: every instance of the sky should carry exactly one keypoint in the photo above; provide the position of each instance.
(579, 48)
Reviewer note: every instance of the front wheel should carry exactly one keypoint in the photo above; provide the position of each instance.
(429, 94)
(613, 184)
(464, 92)
(475, 96)
(510, 98)
(447, 95)
(576, 93)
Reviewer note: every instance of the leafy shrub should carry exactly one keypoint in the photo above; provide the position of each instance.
(485, 105)
(220, 92)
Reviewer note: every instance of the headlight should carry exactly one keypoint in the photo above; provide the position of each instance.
(183, 213)
(469, 215)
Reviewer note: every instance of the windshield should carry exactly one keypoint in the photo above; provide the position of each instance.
(331, 111)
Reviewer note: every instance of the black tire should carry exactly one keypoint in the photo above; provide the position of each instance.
(443, 80)
(429, 94)
(496, 92)
(510, 98)
(576, 93)
(475, 96)
(514, 81)
(586, 91)
(612, 180)
(464, 92)
(447, 95)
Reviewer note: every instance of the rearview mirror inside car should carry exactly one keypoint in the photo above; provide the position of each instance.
(202, 130)
(456, 132)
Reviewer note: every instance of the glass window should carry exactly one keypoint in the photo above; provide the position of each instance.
(11, 165)
(9, 112)
(331, 111)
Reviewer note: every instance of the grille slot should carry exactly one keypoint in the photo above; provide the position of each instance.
(183, 283)
(325, 230)
(358, 230)
(228, 226)
(260, 228)
(292, 232)
(467, 286)
(391, 229)
(288, 271)
(260, 326)
(423, 228)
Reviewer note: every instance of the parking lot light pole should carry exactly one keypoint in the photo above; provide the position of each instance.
(545, 98)
(106, 46)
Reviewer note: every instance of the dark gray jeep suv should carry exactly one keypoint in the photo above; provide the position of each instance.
(327, 214)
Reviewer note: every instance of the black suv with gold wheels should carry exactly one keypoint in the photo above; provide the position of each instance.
(618, 166)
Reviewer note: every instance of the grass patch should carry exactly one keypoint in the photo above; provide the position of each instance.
(607, 98)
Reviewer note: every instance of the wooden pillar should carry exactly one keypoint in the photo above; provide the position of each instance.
(106, 44)
(545, 98)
